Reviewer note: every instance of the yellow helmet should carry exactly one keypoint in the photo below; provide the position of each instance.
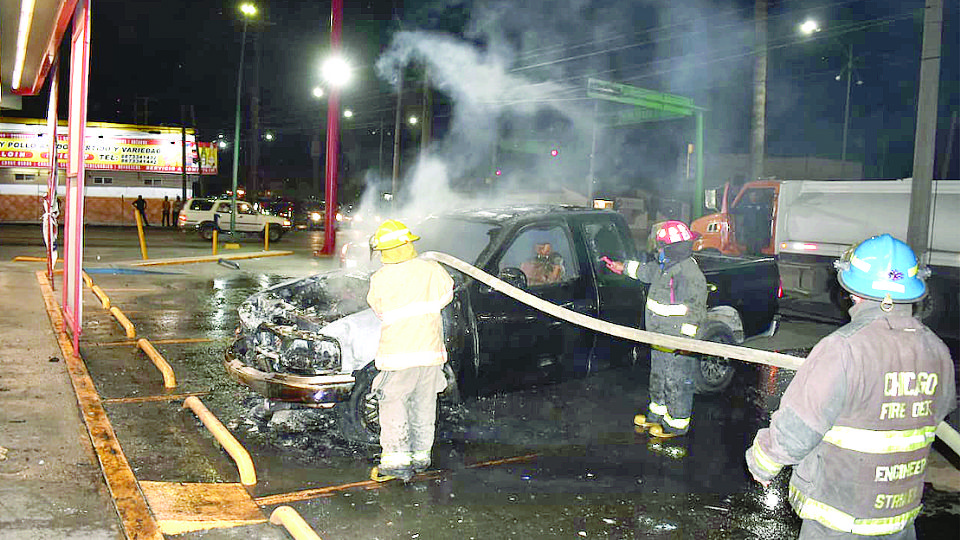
(391, 234)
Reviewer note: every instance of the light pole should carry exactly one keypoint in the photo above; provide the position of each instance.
(336, 72)
(811, 27)
(247, 10)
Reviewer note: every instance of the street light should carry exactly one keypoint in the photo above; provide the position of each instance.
(809, 27)
(347, 113)
(268, 136)
(317, 92)
(412, 120)
(248, 10)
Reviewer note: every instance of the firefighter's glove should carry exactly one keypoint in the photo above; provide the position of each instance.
(614, 266)
(760, 474)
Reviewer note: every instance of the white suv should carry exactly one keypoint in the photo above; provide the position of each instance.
(205, 215)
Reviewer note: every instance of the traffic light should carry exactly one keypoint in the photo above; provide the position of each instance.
(554, 152)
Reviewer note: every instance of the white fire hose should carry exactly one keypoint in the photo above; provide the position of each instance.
(734, 352)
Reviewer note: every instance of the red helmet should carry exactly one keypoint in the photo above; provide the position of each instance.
(673, 231)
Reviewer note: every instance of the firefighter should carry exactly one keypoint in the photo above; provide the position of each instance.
(407, 294)
(859, 416)
(676, 305)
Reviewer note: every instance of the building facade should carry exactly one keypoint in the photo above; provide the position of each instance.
(122, 162)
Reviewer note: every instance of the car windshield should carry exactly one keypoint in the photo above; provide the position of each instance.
(464, 239)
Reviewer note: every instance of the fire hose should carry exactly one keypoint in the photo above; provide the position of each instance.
(734, 352)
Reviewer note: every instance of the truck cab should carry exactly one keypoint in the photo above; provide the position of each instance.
(744, 225)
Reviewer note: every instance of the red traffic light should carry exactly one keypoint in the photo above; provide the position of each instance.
(554, 152)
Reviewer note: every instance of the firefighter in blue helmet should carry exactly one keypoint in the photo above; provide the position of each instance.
(677, 306)
(858, 418)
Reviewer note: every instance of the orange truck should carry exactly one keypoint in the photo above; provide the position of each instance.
(807, 224)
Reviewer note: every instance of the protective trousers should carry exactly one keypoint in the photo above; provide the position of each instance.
(814, 530)
(408, 414)
(671, 389)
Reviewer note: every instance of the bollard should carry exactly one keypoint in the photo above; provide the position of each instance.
(143, 241)
(266, 237)
(104, 300)
(169, 380)
(124, 322)
(215, 244)
(248, 476)
(295, 525)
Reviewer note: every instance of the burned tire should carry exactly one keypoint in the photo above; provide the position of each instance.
(206, 231)
(359, 417)
(714, 373)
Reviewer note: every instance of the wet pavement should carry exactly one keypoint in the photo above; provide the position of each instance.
(586, 474)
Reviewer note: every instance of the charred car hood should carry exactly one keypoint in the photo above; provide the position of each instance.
(311, 326)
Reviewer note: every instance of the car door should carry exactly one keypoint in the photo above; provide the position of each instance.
(248, 220)
(620, 298)
(518, 344)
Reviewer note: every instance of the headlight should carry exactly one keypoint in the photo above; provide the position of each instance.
(286, 223)
(339, 216)
(309, 357)
(315, 216)
(286, 350)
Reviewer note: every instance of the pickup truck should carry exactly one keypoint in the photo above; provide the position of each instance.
(312, 341)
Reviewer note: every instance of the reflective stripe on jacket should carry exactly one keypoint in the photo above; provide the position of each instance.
(408, 297)
(676, 299)
(858, 420)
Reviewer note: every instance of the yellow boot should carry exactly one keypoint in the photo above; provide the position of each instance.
(642, 422)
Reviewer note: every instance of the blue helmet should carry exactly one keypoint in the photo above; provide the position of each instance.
(882, 268)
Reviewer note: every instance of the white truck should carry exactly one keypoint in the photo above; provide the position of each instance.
(807, 224)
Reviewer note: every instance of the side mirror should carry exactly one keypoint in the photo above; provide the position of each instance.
(513, 276)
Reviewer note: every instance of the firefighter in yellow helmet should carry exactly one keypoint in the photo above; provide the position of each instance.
(407, 294)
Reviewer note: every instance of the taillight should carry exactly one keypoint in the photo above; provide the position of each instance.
(780, 289)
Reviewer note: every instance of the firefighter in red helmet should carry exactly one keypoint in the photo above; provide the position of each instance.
(677, 306)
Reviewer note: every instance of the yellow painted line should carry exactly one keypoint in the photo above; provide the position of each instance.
(153, 399)
(313, 493)
(135, 517)
(169, 380)
(124, 322)
(131, 290)
(87, 280)
(25, 258)
(295, 525)
(104, 299)
(183, 507)
(213, 258)
(248, 475)
(157, 341)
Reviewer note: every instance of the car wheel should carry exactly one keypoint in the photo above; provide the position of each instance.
(714, 373)
(359, 416)
(275, 233)
(206, 231)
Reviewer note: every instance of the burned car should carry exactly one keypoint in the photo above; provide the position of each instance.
(312, 341)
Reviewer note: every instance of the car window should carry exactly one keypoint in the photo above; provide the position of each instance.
(223, 208)
(544, 254)
(201, 205)
(245, 208)
(462, 238)
(603, 240)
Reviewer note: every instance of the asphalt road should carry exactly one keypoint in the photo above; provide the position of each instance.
(575, 467)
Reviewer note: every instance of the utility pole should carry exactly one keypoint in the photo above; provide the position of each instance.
(397, 124)
(380, 156)
(846, 104)
(758, 127)
(918, 227)
(425, 114)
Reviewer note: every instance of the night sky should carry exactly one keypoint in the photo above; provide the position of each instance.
(151, 58)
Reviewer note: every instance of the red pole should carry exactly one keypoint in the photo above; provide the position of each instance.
(333, 138)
